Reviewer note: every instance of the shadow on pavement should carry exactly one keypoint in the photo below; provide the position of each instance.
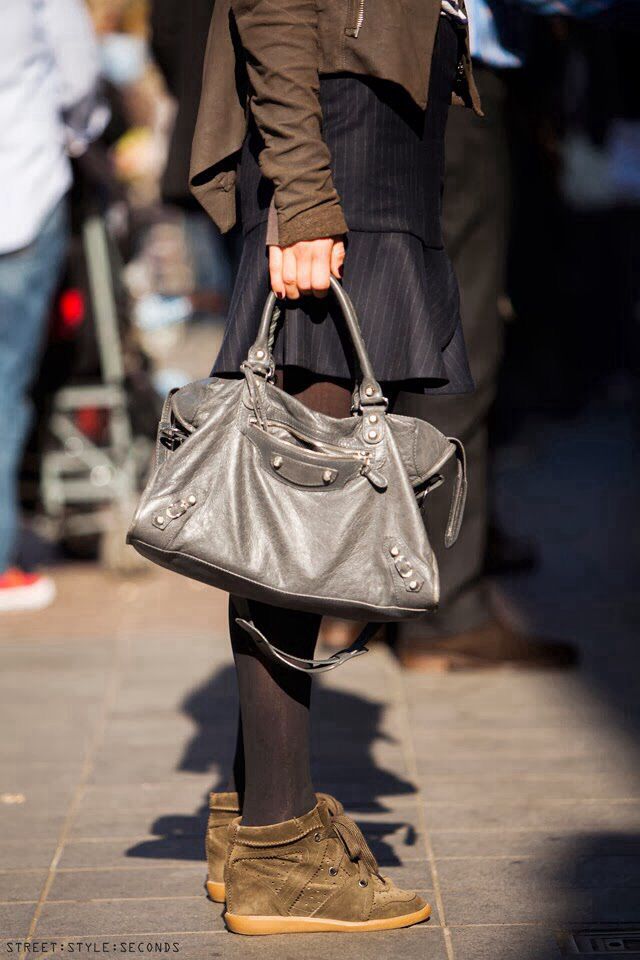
(346, 766)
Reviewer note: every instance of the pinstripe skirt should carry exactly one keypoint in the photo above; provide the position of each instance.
(388, 168)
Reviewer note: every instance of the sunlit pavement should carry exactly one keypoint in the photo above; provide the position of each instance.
(511, 799)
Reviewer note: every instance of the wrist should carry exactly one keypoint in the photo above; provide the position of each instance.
(319, 223)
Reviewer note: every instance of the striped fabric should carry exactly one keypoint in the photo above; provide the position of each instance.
(406, 298)
(388, 167)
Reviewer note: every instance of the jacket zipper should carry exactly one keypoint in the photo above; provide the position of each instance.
(354, 30)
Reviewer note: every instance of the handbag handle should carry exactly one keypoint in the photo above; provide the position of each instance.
(260, 357)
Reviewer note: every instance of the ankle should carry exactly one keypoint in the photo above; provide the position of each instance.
(261, 811)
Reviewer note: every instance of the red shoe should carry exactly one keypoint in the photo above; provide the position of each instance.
(25, 591)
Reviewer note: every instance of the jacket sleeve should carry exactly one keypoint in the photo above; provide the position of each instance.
(280, 41)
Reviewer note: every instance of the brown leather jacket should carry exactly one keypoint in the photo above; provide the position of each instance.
(269, 54)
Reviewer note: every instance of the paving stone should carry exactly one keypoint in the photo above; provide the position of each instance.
(168, 729)
(58, 746)
(412, 875)
(536, 742)
(504, 943)
(524, 891)
(115, 764)
(380, 787)
(181, 945)
(101, 854)
(28, 773)
(25, 854)
(601, 868)
(558, 787)
(189, 794)
(499, 842)
(130, 822)
(515, 763)
(413, 944)
(186, 880)
(582, 870)
(118, 918)
(21, 885)
(416, 943)
(29, 821)
(15, 919)
(535, 814)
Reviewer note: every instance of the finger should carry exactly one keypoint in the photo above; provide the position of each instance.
(320, 270)
(337, 259)
(303, 267)
(289, 273)
(275, 271)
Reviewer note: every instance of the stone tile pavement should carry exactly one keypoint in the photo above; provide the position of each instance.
(511, 799)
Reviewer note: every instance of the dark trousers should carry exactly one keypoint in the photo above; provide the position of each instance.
(475, 224)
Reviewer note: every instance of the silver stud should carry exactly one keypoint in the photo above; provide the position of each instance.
(373, 418)
(260, 354)
(373, 434)
(191, 500)
(394, 551)
(160, 521)
(327, 476)
(277, 462)
(413, 585)
(368, 391)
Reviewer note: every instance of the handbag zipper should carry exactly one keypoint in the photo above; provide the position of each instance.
(333, 451)
(355, 29)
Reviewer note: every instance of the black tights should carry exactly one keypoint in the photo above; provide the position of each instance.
(271, 770)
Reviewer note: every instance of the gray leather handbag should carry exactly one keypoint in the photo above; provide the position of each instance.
(256, 494)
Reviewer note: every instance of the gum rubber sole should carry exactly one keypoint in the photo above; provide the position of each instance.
(261, 926)
(215, 891)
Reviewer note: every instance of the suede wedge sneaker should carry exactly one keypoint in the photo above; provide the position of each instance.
(223, 809)
(313, 874)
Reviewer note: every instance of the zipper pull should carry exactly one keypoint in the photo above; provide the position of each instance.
(375, 479)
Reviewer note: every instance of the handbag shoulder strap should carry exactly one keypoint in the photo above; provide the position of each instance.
(302, 664)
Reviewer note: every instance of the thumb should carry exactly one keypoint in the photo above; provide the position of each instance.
(275, 270)
(337, 258)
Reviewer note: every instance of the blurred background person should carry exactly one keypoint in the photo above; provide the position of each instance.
(467, 632)
(178, 41)
(48, 74)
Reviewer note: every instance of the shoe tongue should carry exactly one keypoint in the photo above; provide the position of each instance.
(334, 806)
(324, 813)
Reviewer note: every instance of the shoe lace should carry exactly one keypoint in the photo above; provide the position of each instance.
(355, 846)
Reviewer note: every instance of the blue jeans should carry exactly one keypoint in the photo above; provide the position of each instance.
(28, 279)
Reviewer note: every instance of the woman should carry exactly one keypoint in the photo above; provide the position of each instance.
(341, 162)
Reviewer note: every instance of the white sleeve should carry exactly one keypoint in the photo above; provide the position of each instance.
(73, 44)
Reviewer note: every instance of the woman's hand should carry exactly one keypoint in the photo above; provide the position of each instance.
(305, 267)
